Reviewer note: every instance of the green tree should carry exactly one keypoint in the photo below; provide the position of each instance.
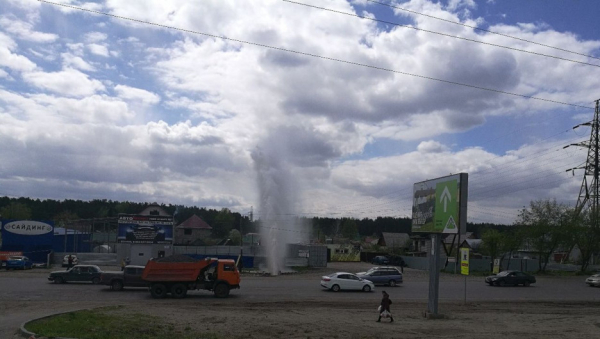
(223, 223)
(544, 228)
(493, 243)
(235, 236)
(16, 210)
(513, 241)
(349, 228)
(587, 235)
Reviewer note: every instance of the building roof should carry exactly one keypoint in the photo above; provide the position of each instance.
(473, 244)
(154, 209)
(449, 239)
(393, 239)
(195, 222)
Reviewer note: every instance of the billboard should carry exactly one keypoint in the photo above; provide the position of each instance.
(440, 205)
(145, 229)
(31, 237)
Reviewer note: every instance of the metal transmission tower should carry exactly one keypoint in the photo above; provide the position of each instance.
(589, 194)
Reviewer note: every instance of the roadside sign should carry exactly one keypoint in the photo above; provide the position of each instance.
(440, 205)
(496, 269)
(464, 261)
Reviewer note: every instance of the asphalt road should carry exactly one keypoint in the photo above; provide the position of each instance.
(26, 295)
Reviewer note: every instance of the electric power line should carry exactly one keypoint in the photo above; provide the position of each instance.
(440, 33)
(482, 29)
(319, 56)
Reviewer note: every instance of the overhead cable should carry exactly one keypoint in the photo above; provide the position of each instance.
(319, 56)
(440, 33)
(482, 29)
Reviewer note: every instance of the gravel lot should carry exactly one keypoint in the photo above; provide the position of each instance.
(294, 306)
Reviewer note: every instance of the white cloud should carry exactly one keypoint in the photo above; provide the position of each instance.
(70, 60)
(24, 30)
(93, 37)
(137, 94)
(11, 60)
(98, 49)
(39, 110)
(68, 82)
(431, 146)
(333, 124)
(456, 4)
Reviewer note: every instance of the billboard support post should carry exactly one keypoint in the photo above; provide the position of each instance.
(434, 272)
(439, 208)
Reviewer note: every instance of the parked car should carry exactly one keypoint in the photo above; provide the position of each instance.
(382, 276)
(346, 281)
(65, 262)
(90, 273)
(510, 278)
(131, 276)
(380, 260)
(397, 260)
(19, 262)
(594, 280)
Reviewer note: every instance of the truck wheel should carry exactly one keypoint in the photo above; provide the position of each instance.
(392, 283)
(178, 291)
(158, 290)
(96, 281)
(221, 290)
(116, 285)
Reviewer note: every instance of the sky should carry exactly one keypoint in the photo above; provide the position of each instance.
(335, 107)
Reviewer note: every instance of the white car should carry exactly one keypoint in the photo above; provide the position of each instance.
(65, 262)
(593, 280)
(346, 281)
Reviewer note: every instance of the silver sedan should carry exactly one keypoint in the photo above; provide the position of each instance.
(346, 281)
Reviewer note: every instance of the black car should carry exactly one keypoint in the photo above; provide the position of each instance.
(397, 260)
(78, 273)
(380, 260)
(510, 278)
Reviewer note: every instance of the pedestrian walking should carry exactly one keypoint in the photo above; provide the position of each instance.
(384, 307)
(122, 264)
(127, 261)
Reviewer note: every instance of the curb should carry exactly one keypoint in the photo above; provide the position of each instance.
(30, 335)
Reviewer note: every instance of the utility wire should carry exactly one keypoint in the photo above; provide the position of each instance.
(318, 56)
(440, 33)
(482, 29)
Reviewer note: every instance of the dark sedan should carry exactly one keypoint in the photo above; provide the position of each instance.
(79, 273)
(510, 278)
(380, 260)
(382, 276)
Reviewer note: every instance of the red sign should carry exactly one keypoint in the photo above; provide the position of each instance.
(4, 255)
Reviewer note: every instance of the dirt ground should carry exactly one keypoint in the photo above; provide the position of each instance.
(338, 315)
(348, 320)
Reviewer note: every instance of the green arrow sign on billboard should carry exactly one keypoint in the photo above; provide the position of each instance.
(446, 206)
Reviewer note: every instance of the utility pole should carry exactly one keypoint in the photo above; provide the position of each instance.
(589, 194)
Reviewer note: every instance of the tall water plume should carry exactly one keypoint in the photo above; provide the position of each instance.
(278, 194)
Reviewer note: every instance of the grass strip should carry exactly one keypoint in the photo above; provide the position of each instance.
(106, 323)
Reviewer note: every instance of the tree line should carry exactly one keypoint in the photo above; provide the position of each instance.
(223, 221)
(547, 227)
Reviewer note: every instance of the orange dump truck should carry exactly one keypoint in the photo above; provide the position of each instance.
(179, 273)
